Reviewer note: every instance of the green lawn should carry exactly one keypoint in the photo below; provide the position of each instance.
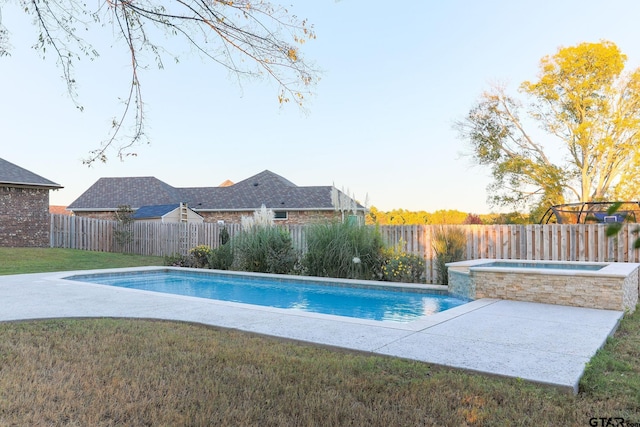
(40, 260)
(142, 372)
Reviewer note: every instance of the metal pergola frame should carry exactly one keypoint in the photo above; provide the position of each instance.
(592, 213)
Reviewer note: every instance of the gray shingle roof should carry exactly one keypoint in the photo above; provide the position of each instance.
(265, 188)
(109, 193)
(16, 176)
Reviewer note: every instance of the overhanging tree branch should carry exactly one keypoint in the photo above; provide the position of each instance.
(248, 38)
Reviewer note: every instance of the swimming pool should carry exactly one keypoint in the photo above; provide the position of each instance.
(372, 302)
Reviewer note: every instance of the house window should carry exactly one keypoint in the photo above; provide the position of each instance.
(280, 215)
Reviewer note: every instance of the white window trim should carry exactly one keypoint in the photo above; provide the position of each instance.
(286, 215)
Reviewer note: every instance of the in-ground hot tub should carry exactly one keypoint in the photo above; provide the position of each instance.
(611, 285)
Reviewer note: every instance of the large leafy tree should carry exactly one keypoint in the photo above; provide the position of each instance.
(587, 143)
(248, 37)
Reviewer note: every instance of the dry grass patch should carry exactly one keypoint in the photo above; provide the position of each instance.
(133, 372)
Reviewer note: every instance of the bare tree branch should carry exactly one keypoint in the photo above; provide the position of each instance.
(249, 38)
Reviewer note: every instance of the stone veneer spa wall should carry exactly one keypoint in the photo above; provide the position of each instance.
(610, 286)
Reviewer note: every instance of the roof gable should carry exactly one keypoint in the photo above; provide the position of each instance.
(265, 188)
(265, 178)
(109, 193)
(15, 175)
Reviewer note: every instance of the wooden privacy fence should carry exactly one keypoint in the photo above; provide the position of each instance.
(147, 238)
(551, 242)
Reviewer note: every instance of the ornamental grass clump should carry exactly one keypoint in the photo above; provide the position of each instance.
(449, 244)
(263, 247)
(343, 250)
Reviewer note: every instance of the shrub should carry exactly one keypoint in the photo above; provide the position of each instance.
(200, 256)
(177, 260)
(343, 250)
(223, 237)
(264, 249)
(123, 232)
(221, 258)
(449, 244)
(403, 267)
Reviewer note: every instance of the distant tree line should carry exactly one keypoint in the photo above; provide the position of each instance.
(443, 216)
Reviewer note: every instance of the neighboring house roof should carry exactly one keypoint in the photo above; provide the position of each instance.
(265, 188)
(155, 211)
(59, 210)
(109, 193)
(16, 176)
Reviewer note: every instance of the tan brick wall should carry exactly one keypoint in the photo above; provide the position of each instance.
(294, 217)
(97, 215)
(24, 217)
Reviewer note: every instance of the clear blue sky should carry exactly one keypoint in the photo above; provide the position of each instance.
(396, 76)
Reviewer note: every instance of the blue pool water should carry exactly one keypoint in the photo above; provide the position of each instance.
(543, 265)
(403, 305)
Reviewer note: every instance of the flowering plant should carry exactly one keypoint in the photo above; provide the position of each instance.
(404, 267)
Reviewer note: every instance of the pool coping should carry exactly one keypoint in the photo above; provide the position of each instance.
(415, 325)
(541, 343)
(609, 269)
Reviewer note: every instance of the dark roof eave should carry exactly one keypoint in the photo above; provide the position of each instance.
(53, 186)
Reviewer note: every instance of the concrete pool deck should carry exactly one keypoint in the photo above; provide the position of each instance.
(542, 343)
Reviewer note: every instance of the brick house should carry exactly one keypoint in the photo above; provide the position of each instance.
(228, 202)
(24, 207)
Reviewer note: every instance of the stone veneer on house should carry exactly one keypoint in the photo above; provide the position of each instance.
(614, 287)
(24, 217)
(293, 217)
